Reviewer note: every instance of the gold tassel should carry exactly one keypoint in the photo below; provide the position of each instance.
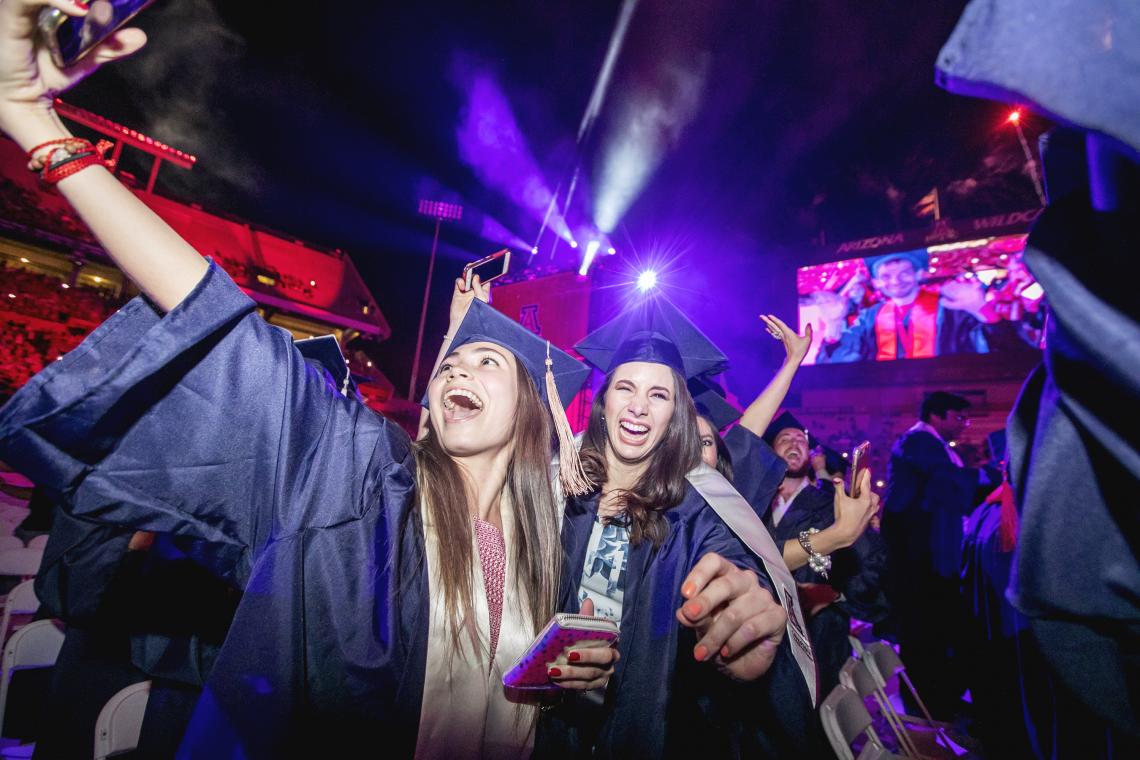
(573, 476)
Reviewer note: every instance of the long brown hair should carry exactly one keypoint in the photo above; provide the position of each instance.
(536, 554)
(662, 485)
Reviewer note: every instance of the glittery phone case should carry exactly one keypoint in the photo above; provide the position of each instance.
(564, 630)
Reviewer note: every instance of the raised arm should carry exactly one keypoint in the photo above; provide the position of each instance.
(760, 412)
(164, 266)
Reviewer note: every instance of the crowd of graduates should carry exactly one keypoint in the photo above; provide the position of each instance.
(354, 587)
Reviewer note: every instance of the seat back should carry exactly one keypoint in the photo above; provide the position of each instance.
(21, 600)
(119, 724)
(844, 719)
(36, 645)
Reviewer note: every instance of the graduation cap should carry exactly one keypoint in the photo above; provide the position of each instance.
(919, 257)
(996, 442)
(556, 374)
(325, 352)
(652, 331)
(784, 421)
(709, 397)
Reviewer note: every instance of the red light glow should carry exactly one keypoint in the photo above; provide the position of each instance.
(1014, 116)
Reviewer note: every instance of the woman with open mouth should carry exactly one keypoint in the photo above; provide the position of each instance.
(388, 584)
(648, 549)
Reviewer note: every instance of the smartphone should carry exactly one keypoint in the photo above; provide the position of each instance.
(69, 38)
(549, 647)
(858, 465)
(488, 268)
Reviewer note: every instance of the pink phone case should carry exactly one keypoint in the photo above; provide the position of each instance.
(563, 630)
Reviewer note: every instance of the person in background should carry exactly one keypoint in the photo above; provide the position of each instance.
(928, 494)
(911, 321)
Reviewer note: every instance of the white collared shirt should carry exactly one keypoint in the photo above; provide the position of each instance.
(780, 505)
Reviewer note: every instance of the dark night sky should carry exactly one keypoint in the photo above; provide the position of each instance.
(784, 120)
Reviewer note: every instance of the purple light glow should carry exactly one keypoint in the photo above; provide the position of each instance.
(491, 143)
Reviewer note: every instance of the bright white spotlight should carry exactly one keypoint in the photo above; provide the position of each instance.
(573, 243)
(588, 259)
(647, 281)
(611, 250)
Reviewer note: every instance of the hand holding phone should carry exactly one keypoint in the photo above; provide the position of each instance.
(549, 650)
(858, 465)
(488, 268)
(70, 38)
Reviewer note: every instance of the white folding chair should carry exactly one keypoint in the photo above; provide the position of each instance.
(21, 601)
(855, 676)
(36, 645)
(24, 563)
(120, 721)
(884, 663)
(845, 719)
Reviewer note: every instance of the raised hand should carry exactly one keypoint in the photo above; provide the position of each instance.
(29, 79)
(853, 515)
(740, 624)
(461, 299)
(584, 667)
(795, 344)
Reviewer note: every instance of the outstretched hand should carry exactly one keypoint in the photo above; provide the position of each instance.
(739, 623)
(795, 344)
(29, 79)
(461, 299)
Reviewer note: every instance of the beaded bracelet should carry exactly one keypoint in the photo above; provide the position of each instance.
(66, 156)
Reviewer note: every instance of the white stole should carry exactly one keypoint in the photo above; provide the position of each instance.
(465, 713)
(739, 516)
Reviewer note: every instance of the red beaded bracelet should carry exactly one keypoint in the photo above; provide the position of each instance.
(66, 156)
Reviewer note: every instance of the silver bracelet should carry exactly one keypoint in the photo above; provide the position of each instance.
(819, 563)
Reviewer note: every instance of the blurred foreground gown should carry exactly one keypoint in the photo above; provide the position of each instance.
(206, 422)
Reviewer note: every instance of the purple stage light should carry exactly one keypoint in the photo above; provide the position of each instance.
(611, 250)
(491, 142)
(647, 281)
(588, 259)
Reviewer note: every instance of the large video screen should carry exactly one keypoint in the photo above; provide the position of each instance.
(970, 297)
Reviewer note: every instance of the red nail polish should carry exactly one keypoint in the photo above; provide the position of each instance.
(554, 672)
(82, 4)
(724, 651)
(701, 652)
(574, 656)
(692, 609)
(688, 589)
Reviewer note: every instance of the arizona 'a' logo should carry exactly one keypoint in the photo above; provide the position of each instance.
(528, 317)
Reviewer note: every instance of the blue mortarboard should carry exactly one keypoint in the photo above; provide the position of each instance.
(997, 445)
(784, 421)
(483, 323)
(325, 351)
(652, 331)
(709, 397)
(919, 257)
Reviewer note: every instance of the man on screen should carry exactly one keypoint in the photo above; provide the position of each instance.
(910, 321)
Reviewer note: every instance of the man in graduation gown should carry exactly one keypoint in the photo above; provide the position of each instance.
(911, 321)
(853, 585)
(928, 494)
(1074, 462)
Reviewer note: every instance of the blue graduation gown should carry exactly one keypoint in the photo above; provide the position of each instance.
(207, 423)
(956, 332)
(1074, 462)
(660, 701)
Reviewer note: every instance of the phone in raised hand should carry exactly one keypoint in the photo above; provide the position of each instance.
(489, 268)
(69, 38)
(858, 466)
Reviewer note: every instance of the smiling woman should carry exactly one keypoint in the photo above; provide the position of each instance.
(389, 585)
(645, 549)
